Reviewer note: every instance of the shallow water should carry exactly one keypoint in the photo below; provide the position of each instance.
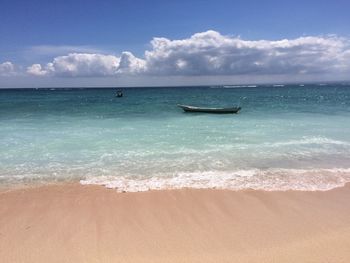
(287, 137)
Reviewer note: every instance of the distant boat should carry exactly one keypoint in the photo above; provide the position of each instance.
(119, 94)
(188, 108)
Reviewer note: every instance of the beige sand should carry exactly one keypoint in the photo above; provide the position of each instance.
(74, 223)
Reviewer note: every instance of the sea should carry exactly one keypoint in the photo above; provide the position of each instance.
(286, 137)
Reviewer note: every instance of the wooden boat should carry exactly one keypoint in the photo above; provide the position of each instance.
(188, 108)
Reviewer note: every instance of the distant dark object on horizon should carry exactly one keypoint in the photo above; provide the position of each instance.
(188, 108)
(119, 94)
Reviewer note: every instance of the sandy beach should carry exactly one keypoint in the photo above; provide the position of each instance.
(75, 223)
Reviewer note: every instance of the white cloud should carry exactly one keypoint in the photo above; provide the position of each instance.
(209, 54)
(131, 64)
(37, 70)
(78, 65)
(7, 69)
(83, 64)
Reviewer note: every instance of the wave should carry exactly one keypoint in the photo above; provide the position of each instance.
(233, 86)
(258, 179)
(310, 140)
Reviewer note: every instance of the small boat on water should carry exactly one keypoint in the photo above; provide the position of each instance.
(188, 108)
(119, 94)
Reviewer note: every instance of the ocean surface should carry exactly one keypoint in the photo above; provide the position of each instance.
(285, 137)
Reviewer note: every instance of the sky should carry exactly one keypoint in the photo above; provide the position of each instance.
(136, 43)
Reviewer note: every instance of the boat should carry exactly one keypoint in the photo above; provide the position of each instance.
(119, 94)
(188, 108)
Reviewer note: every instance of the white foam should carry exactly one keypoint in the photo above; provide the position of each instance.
(268, 179)
(310, 140)
(238, 86)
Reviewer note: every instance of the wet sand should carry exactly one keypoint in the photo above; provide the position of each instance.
(76, 223)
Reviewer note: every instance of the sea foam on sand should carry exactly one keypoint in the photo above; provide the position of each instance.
(268, 180)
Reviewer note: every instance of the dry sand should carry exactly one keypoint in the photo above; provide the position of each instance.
(75, 223)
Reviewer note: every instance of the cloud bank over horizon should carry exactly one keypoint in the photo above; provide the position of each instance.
(7, 69)
(205, 54)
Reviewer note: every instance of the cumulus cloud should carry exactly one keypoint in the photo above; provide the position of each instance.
(84, 65)
(131, 64)
(89, 65)
(210, 53)
(7, 69)
(78, 65)
(36, 70)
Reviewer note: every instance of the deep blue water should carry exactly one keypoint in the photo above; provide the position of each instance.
(289, 137)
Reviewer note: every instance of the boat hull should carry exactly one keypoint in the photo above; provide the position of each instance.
(232, 110)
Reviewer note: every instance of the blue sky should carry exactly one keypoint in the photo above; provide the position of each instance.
(35, 32)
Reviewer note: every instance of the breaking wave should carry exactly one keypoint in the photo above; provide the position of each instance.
(268, 180)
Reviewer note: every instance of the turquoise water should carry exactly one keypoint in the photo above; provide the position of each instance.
(289, 137)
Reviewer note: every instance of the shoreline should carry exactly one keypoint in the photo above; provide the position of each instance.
(82, 183)
(70, 222)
